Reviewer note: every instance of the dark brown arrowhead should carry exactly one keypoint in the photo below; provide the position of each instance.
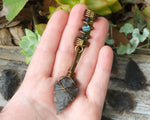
(134, 76)
(65, 92)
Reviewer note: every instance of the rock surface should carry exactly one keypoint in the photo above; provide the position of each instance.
(17, 33)
(5, 37)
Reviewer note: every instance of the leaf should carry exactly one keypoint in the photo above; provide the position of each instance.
(133, 1)
(65, 7)
(65, 2)
(148, 24)
(96, 4)
(40, 28)
(11, 8)
(141, 37)
(115, 7)
(28, 59)
(146, 11)
(101, 7)
(28, 44)
(127, 49)
(127, 28)
(61, 7)
(104, 11)
(122, 49)
(137, 37)
(99, 4)
(110, 41)
(134, 41)
(104, 7)
(52, 9)
(29, 33)
(79, 1)
(111, 2)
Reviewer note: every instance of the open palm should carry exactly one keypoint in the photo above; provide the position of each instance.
(54, 55)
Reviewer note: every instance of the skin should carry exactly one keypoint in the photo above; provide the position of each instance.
(34, 100)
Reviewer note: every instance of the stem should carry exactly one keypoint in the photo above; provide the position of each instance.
(144, 45)
(34, 17)
(111, 32)
(114, 47)
(148, 42)
(143, 49)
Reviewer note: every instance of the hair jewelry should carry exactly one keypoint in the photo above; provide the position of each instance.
(66, 89)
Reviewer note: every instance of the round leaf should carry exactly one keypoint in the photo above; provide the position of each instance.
(141, 37)
(122, 49)
(127, 28)
(134, 41)
(28, 44)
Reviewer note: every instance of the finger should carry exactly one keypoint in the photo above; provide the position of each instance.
(97, 87)
(43, 59)
(66, 50)
(88, 60)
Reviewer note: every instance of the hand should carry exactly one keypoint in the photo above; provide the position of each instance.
(54, 55)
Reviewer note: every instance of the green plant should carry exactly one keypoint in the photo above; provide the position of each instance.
(30, 41)
(101, 7)
(137, 38)
(28, 44)
(110, 41)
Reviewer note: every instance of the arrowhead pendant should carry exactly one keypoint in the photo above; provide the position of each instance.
(65, 92)
(66, 88)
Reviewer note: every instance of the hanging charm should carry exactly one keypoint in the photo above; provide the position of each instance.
(66, 89)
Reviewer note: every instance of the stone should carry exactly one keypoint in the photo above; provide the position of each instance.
(134, 77)
(5, 37)
(87, 19)
(86, 28)
(83, 36)
(120, 101)
(105, 118)
(65, 92)
(9, 83)
(17, 33)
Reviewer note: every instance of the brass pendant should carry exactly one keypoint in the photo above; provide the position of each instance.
(66, 89)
